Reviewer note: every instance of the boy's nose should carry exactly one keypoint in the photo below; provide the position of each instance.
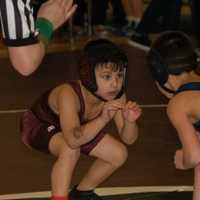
(114, 82)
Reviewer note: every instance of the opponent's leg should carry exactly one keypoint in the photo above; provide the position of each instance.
(196, 193)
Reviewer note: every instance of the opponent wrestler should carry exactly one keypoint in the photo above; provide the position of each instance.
(69, 120)
(174, 67)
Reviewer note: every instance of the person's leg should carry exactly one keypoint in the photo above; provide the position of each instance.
(134, 11)
(196, 191)
(172, 14)
(119, 15)
(110, 154)
(137, 9)
(140, 37)
(155, 9)
(99, 8)
(195, 9)
(128, 8)
(64, 166)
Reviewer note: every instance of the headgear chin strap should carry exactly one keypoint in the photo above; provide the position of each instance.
(172, 53)
(167, 89)
(98, 52)
(117, 96)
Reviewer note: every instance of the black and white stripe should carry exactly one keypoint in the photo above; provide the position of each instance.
(17, 22)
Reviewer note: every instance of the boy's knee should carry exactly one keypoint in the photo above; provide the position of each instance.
(120, 156)
(192, 161)
(72, 154)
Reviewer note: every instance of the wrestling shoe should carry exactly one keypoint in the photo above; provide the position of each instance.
(75, 194)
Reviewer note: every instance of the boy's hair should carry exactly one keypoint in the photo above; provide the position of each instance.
(171, 53)
(99, 52)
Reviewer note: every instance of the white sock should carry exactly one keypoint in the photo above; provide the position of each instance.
(137, 20)
(131, 19)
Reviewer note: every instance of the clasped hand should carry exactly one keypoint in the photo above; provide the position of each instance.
(130, 110)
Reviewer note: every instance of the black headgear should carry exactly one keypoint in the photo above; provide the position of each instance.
(100, 51)
(171, 53)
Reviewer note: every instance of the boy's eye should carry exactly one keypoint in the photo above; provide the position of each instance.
(121, 75)
(106, 77)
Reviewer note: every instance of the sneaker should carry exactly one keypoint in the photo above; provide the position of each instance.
(128, 30)
(140, 41)
(75, 194)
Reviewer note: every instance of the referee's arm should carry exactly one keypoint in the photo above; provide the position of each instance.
(26, 51)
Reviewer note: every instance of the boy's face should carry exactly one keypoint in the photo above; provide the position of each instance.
(109, 81)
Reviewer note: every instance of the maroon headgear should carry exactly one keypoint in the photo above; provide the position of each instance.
(98, 52)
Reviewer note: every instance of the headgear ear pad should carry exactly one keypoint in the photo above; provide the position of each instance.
(171, 53)
(87, 75)
(157, 67)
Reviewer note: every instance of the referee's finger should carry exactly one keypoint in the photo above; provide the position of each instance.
(70, 11)
(67, 4)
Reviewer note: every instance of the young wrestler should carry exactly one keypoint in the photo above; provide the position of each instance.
(174, 67)
(70, 119)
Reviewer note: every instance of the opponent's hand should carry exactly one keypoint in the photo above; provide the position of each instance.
(110, 108)
(131, 111)
(57, 11)
(178, 159)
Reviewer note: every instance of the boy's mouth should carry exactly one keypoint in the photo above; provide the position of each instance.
(113, 93)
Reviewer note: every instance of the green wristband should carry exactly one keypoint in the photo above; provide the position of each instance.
(45, 29)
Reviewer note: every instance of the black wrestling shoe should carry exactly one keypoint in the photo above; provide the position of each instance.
(75, 194)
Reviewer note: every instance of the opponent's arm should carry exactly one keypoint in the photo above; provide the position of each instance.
(179, 111)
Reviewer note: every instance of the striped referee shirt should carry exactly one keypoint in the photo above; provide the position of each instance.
(17, 22)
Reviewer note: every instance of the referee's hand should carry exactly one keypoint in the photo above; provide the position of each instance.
(57, 11)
